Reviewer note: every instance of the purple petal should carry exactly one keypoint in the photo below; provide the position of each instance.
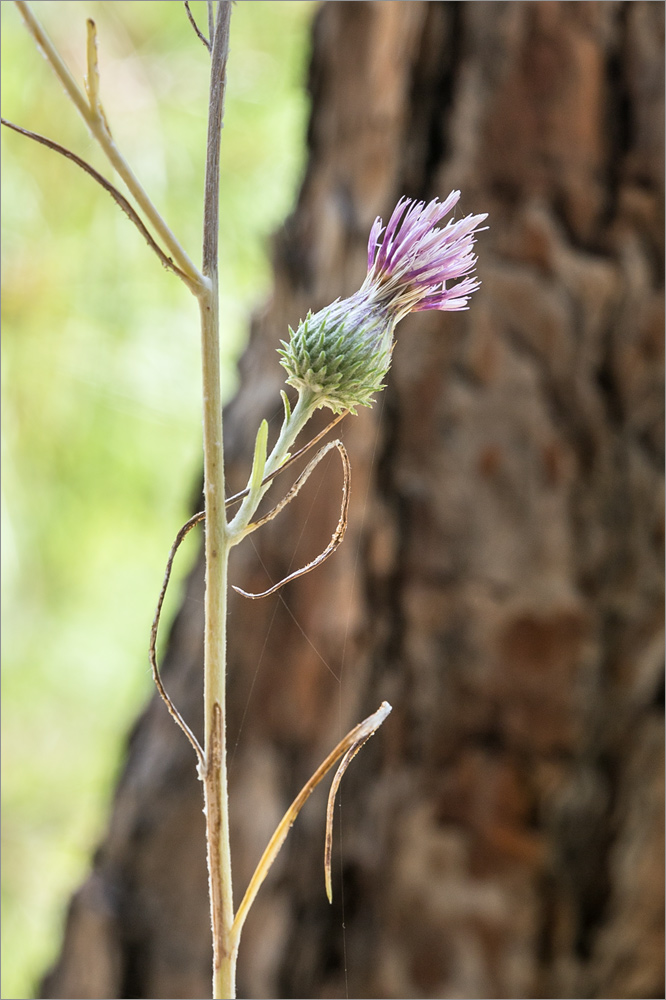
(375, 233)
(409, 270)
(397, 215)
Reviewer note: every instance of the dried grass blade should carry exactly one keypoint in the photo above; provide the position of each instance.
(356, 737)
(335, 784)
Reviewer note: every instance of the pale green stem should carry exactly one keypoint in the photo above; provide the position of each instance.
(291, 428)
(215, 614)
(217, 544)
(92, 114)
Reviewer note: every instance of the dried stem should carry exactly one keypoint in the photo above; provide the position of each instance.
(119, 199)
(92, 79)
(303, 478)
(173, 711)
(94, 118)
(195, 26)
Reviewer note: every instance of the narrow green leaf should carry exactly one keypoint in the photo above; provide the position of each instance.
(259, 461)
(287, 406)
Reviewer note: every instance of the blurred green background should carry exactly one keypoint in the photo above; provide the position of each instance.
(101, 428)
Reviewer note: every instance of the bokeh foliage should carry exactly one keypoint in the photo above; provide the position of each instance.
(101, 430)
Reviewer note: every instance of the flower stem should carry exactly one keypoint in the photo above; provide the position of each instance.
(215, 613)
(291, 428)
(217, 543)
(292, 425)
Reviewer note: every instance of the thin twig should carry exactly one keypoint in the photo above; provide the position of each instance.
(92, 78)
(292, 458)
(198, 33)
(339, 532)
(119, 199)
(173, 711)
(211, 21)
(219, 54)
(359, 734)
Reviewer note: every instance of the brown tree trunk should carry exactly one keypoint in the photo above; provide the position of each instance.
(501, 581)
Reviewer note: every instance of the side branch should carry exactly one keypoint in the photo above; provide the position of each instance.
(90, 109)
(119, 199)
(292, 458)
(195, 27)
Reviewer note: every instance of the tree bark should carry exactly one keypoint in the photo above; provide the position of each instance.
(501, 583)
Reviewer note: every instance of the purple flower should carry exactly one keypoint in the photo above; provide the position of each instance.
(410, 269)
(340, 355)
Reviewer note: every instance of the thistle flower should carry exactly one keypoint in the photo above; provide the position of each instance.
(341, 354)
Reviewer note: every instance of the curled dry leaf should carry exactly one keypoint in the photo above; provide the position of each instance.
(152, 652)
(335, 784)
(339, 532)
(186, 528)
(347, 748)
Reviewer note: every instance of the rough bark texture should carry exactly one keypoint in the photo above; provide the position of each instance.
(501, 582)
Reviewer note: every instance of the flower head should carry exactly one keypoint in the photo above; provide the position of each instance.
(342, 353)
